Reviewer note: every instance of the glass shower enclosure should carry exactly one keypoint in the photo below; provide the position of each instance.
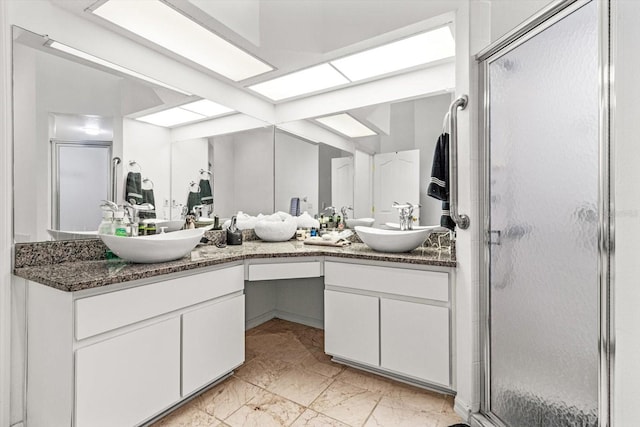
(542, 216)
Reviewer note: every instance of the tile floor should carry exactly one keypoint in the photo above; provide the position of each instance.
(287, 380)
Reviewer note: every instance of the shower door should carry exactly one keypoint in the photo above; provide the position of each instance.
(542, 122)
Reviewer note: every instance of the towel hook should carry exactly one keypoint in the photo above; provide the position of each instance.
(132, 166)
(146, 180)
(193, 185)
(208, 172)
(461, 221)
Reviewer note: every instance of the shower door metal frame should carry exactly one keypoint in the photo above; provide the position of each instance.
(545, 18)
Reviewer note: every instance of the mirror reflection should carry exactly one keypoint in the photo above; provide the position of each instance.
(71, 119)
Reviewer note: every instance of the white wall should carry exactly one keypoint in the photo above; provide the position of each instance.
(508, 14)
(296, 163)
(626, 158)
(150, 147)
(243, 172)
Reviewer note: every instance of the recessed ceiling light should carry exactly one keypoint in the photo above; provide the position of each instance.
(171, 117)
(83, 55)
(163, 25)
(410, 52)
(346, 125)
(309, 80)
(206, 108)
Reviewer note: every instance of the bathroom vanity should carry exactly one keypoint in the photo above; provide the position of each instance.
(112, 343)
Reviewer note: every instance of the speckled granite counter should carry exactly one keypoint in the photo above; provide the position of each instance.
(80, 275)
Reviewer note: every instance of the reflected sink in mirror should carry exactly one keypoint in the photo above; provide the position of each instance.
(168, 225)
(396, 226)
(72, 235)
(157, 248)
(355, 222)
(392, 240)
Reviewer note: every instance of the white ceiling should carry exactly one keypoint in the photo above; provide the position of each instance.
(295, 34)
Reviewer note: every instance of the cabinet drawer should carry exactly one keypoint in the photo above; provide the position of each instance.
(413, 283)
(102, 313)
(284, 270)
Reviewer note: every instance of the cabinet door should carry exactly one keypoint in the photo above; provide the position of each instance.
(212, 342)
(124, 380)
(351, 324)
(415, 340)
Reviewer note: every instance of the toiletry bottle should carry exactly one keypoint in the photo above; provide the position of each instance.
(119, 226)
(106, 226)
(151, 229)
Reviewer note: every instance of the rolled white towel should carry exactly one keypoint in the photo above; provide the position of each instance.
(307, 221)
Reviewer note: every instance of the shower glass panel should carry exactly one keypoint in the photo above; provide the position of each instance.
(543, 196)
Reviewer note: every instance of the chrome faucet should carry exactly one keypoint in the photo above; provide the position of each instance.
(330, 209)
(405, 214)
(107, 204)
(133, 211)
(198, 210)
(344, 210)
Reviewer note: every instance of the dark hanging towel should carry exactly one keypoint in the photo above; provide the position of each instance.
(193, 200)
(294, 206)
(439, 184)
(133, 189)
(206, 195)
(148, 197)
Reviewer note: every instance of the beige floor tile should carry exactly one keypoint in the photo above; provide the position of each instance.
(266, 342)
(265, 410)
(227, 397)
(300, 385)
(292, 351)
(347, 403)
(390, 412)
(365, 380)
(310, 337)
(262, 371)
(320, 363)
(416, 398)
(188, 416)
(313, 419)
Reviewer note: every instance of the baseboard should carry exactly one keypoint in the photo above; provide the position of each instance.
(297, 318)
(18, 424)
(463, 409)
(259, 320)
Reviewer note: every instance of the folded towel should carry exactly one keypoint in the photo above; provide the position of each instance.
(192, 200)
(294, 207)
(133, 189)
(206, 195)
(148, 197)
(439, 184)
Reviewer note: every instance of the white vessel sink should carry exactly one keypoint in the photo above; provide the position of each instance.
(356, 222)
(392, 240)
(156, 248)
(396, 226)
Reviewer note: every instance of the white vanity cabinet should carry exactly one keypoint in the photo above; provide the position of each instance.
(120, 355)
(393, 320)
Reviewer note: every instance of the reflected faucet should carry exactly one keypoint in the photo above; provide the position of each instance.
(109, 205)
(344, 210)
(330, 209)
(405, 214)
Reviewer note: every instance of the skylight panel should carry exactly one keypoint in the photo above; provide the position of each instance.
(410, 52)
(309, 80)
(346, 125)
(164, 26)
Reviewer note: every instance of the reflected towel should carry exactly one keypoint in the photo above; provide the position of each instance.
(193, 199)
(206, 195)
(133, 189)
(294, 207)
(148, 197)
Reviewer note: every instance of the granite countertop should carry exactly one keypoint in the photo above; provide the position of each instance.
(79, 275)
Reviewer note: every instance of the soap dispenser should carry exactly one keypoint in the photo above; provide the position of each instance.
(234, 234)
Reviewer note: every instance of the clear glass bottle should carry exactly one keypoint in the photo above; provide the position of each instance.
(106, 226)
(119, 226)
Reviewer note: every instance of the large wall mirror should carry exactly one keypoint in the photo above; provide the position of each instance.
(90, 111)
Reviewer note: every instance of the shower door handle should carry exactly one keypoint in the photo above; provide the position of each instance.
(494, 240)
